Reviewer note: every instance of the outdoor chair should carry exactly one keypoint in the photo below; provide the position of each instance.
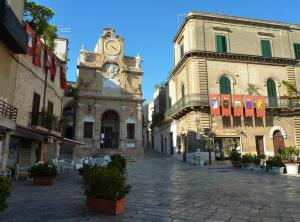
(22, 170)
(6, 173)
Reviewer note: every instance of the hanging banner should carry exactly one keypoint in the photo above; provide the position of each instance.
(214, 101)
(226, 105)
(38, 52)
(249, 108)
(237, 105)
(260, 106)
(30, 44)
(52, 67)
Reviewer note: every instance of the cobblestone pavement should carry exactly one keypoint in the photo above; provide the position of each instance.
(167, 190)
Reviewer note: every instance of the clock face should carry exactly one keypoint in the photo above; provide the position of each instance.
(112, 47)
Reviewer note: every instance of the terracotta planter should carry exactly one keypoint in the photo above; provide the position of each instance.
(292, 168)
(43, 181)
(106, 206)
(235, 164)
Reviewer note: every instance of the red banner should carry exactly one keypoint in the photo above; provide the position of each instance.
(30, 44)
(260, 106)
(237, 105)
(63, 81)
(226, 105)
(52, 67)
(214, 101)
(38, 52)
(249, 107)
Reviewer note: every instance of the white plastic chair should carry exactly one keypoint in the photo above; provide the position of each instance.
(5, 173)
(22, 170)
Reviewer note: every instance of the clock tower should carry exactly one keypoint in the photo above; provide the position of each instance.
(109, 100)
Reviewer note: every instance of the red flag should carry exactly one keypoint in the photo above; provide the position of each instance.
(214, 100)
(30, 44)
(63, 81)
(249, 108)
(237, 105)
(38, 52)
(226, 105)
(260, 106)
(52, 67)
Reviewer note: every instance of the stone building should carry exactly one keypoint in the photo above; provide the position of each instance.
(224, 55)
(32, 80)
(109, 100)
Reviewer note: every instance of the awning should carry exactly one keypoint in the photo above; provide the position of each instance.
(70, 141)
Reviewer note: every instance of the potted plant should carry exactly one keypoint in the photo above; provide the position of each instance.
(43, 174)
(247, 161)
(235, 158)
(275, 165)
(289, 155)
(105, 189)
(5, 185)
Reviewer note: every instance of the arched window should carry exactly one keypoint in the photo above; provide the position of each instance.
(225, 85)
(272, 93)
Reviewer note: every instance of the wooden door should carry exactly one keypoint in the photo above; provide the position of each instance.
(278, 142)
(35, 109)
(260, 145)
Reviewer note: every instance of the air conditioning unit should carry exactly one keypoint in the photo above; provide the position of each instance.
(49, 140)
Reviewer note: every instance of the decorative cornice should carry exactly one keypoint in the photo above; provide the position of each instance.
(234, 58)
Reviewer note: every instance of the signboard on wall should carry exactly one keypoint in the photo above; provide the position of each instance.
(226, 132)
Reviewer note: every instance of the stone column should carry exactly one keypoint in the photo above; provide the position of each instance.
(123, 133)
(5, 150)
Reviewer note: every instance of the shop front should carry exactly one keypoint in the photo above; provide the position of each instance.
(226, 140)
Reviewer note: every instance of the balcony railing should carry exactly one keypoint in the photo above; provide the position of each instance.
(198, 100)
(45, 120)
(12, 31)
(8, 111)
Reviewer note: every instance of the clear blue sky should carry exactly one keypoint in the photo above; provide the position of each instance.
(149, 26)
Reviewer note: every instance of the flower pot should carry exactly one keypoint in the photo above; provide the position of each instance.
(276, 170)
(235, 164)
(106, 206)
(292, 168)
(43, 181)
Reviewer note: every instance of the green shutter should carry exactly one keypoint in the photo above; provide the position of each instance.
(225, 86)
(182, 91)
(266, 50)
(272, 94)
(221, 43)
(297, 50)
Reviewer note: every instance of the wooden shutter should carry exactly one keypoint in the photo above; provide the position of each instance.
(297, 50)
(181, 50)
(225, 86)
(272, 94)
(88, 130)
(50, 107)
(221, 43)
(35, 109)
(266, 50)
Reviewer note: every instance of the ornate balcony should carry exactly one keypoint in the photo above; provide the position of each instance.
(195, 101)
(8, 111)
(45, 120)
(12, 31)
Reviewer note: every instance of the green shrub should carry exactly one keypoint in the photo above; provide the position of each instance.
(248, 158)
(105, 183)
(289, 154)
(235, 156)
(85, 168)
(274, 162)
(43, 170)
(118, 162)
(5, 185)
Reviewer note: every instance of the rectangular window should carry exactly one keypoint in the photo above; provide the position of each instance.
(221, 43)
(130, 131)
(297, 50)
(50, 107)
(35, 109)
(88, 129)
(266, 50)
(181, 50)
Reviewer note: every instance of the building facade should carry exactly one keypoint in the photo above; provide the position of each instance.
(109, 100)
(33, 80)
(224, 55)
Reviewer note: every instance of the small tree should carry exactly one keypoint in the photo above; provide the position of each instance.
(38, 16)
(291, 90)
(252, 89)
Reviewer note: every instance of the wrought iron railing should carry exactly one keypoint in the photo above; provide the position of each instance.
(8, 111)
(48, 121)
(12, 31)
(197, 99)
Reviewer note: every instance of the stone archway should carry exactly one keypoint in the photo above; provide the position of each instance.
(110, 130)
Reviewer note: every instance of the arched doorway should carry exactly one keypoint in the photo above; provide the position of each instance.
(110, 127)
(278, 142)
